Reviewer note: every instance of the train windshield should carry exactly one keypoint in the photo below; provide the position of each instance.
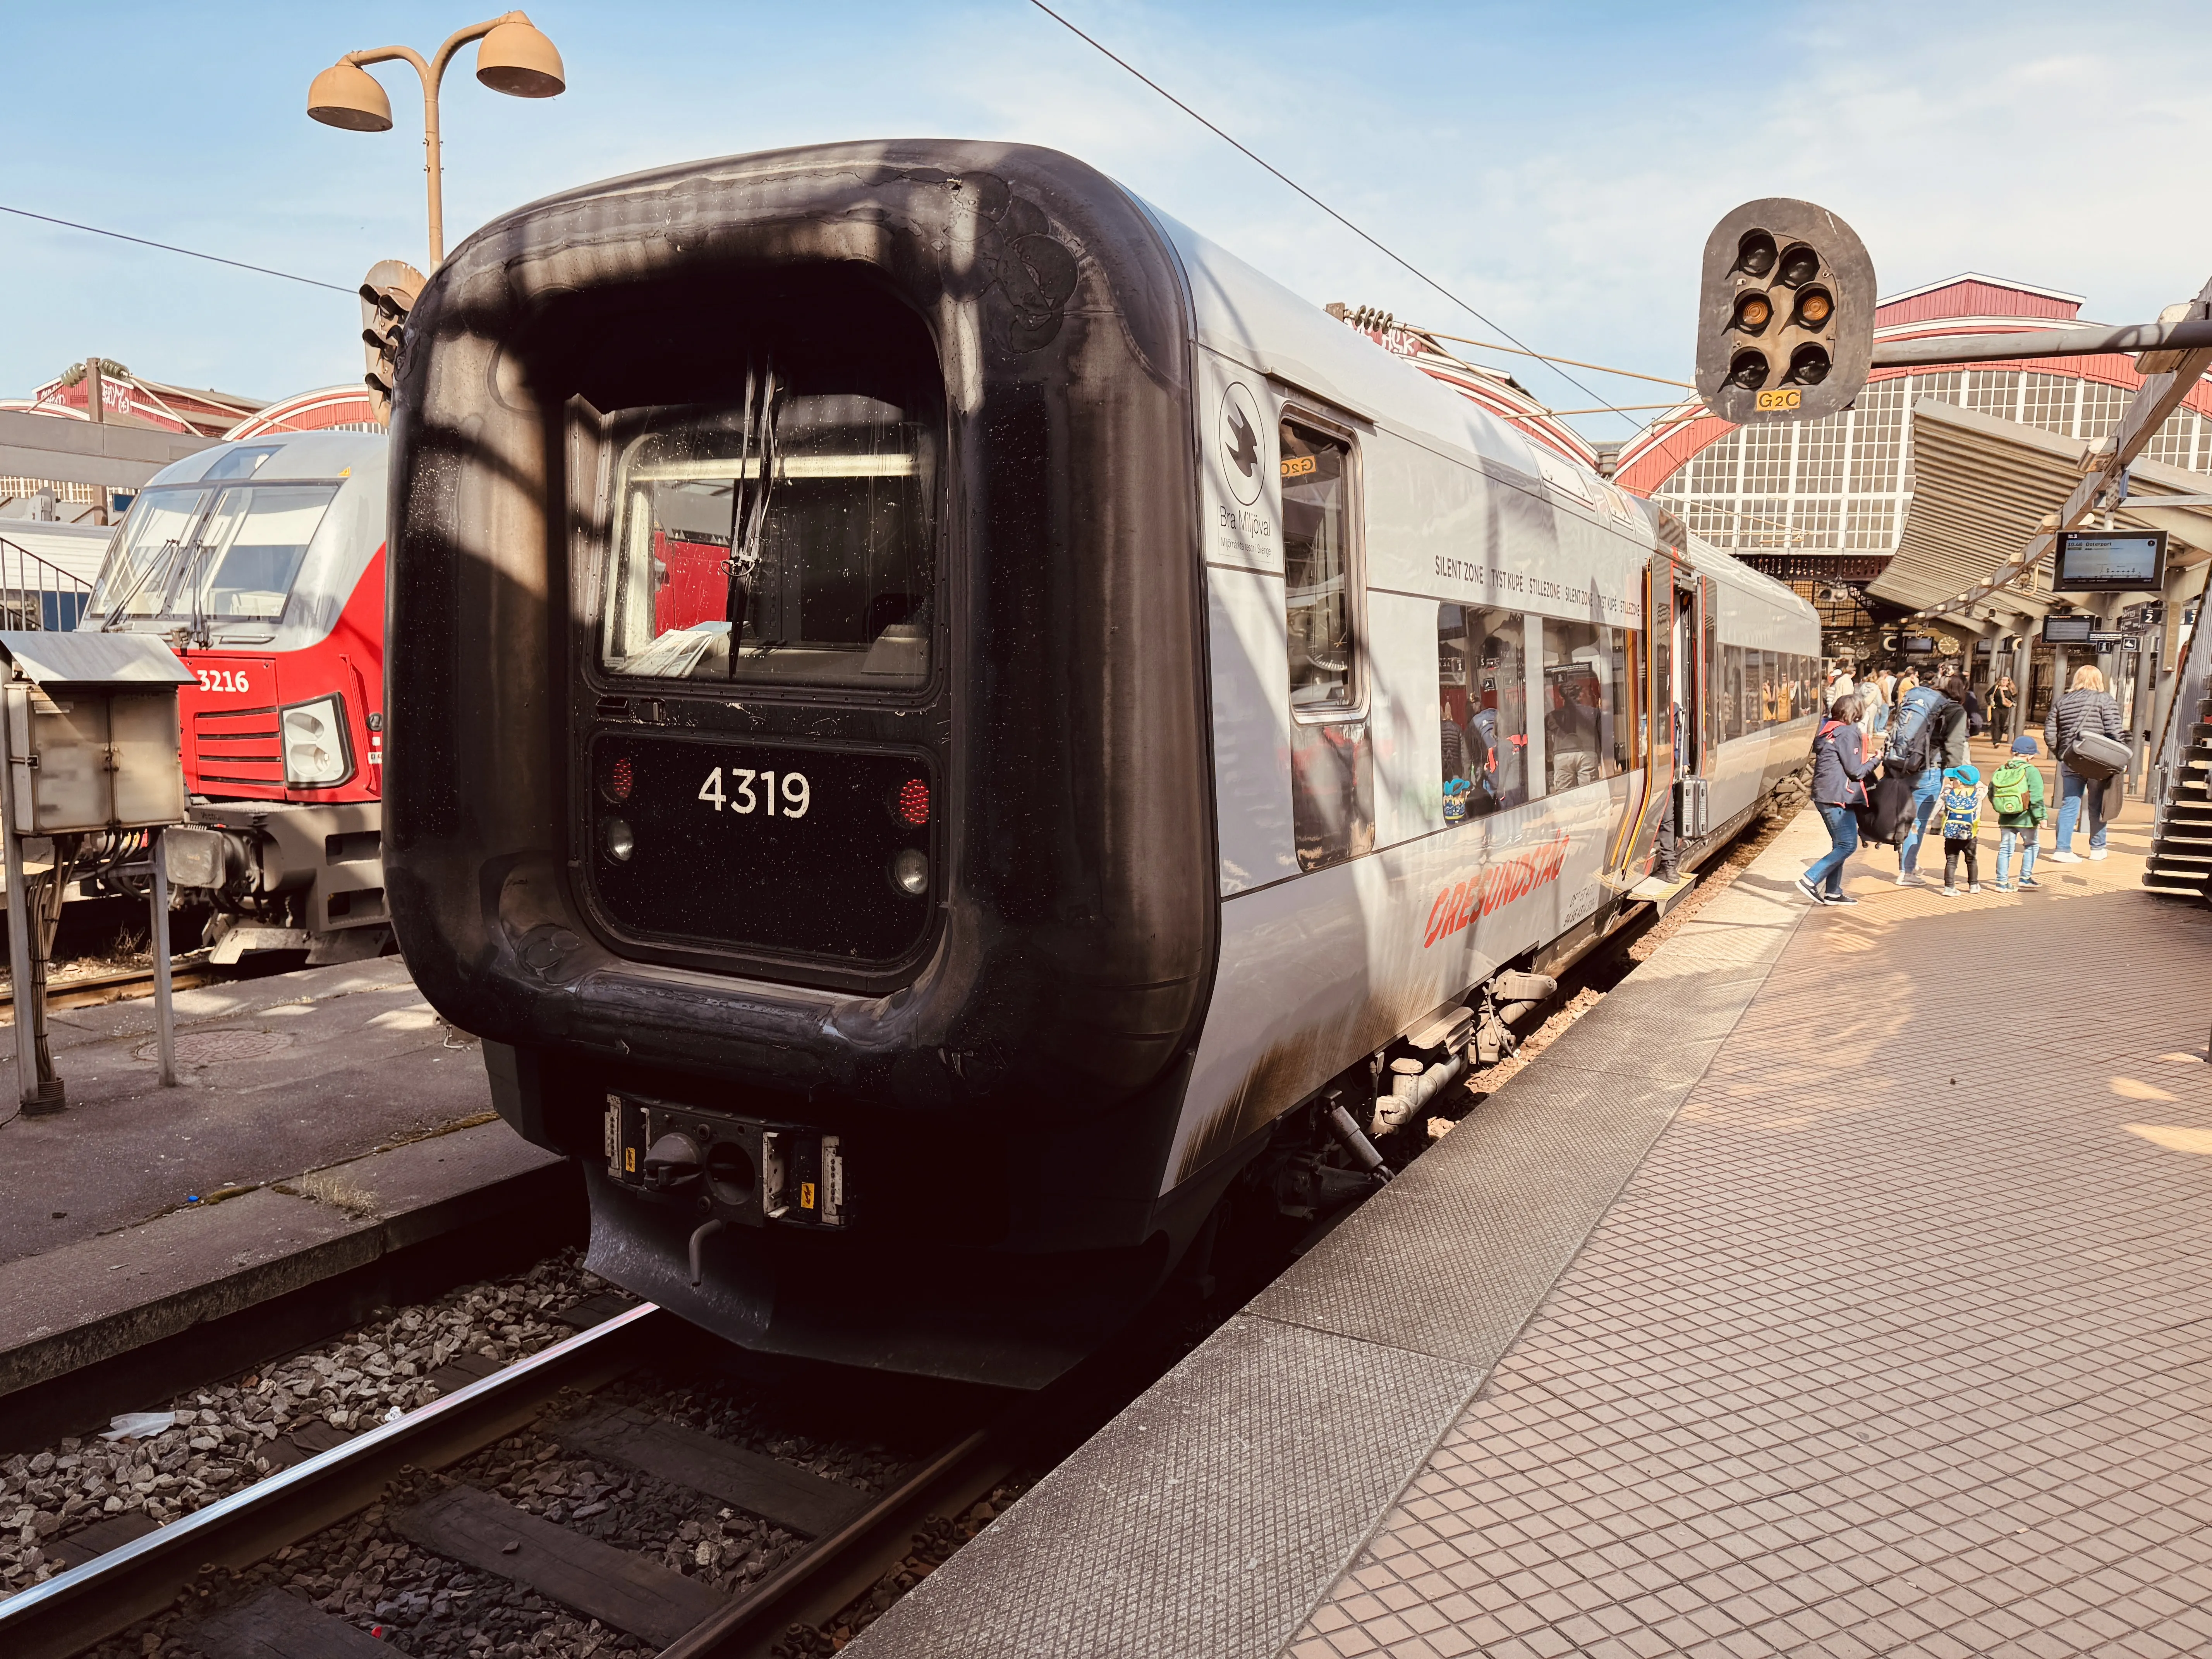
(797, 525)
(211, 555)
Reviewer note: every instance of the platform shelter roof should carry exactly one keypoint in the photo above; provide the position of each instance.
(1984, 489)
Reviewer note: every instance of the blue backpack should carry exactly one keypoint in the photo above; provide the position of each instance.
(1906, 749)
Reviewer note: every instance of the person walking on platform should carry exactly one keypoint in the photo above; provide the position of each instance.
(2016, 797)
(2086, 708)
(1961, 804)
(2004, 700)
(1927, 735)
(1840, 763)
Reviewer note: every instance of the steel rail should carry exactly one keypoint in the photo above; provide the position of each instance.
(189, 961)
(71, 1612)
(816, 1583)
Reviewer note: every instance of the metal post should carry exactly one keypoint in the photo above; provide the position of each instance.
(96, 401)
(164, 1015)
(21, 978)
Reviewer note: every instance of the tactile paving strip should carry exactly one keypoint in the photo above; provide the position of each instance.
(1199, 1523)
(1452, 1256)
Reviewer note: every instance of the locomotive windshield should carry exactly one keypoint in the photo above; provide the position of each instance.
(209, 554)
(798, 525)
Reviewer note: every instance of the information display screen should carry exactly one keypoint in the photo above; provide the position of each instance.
(2066, 631)
(2110, 562)
(1919, 644)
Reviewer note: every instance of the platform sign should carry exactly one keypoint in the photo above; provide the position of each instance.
(2066, 631)
(1919, 644)
(2109, 562)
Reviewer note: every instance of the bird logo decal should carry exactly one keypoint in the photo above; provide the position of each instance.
(1244, 443)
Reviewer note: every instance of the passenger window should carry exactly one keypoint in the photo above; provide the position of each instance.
(1317, 573)
(1482, 669)
(1585, 703)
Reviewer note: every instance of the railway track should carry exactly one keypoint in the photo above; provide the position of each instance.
(852, 1538)
(119, 984)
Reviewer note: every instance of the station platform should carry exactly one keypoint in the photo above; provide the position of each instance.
(330, 1144)
(1835, 1287)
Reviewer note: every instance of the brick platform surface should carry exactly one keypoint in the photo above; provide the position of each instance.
(1899, 1342)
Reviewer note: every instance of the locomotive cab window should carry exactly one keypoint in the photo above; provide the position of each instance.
(787, 537)
(181, 559)
(1317, 578)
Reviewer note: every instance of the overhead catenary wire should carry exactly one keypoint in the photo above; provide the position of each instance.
(171, 247)
(1545, 357)
(1260, 161)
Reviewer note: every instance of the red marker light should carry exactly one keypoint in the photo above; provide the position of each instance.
(620, 778)
(913, 802)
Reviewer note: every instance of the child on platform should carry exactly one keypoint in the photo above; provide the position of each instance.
(2016, 797)
(1959, 807)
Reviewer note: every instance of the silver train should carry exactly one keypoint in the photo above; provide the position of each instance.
(941, 724)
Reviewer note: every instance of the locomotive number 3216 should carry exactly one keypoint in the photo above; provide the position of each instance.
(796, 796)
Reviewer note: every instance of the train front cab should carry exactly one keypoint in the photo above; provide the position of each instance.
(262, 562)
(773, 786)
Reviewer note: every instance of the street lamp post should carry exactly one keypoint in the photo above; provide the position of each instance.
(514, 59)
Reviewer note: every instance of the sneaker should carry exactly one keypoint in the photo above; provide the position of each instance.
(1810, 891)
(2063, 857)
(1950, 892)
(2029, 881)
(1910, 878)
(2005, 887)
(1837, 898)
(2096, 853)
(1973, 887)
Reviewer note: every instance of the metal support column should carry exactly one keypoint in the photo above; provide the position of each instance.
(20, 979)
(165, 1013)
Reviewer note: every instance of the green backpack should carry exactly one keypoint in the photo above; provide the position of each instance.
(2008, 787)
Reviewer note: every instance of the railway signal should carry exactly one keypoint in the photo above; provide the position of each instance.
(387, 295)
(1785, 313)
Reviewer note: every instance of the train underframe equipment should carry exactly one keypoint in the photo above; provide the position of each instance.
(946, 728)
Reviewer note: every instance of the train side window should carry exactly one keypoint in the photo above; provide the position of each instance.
(1482, 672)
(1585, 703)
(1318, 597)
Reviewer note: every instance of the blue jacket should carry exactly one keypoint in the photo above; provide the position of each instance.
(1839, 760)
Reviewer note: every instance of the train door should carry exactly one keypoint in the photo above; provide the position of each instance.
(1698, 738)
(1654, 717)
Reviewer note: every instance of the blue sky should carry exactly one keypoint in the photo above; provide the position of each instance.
(1558, 165)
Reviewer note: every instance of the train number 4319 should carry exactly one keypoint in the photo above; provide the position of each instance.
(791, 788)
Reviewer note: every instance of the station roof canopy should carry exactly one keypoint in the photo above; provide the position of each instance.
(1982, 489)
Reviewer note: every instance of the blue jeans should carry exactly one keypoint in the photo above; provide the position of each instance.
(2071, 789)
(1923, 802)
(1843, 836)
(2006, 840)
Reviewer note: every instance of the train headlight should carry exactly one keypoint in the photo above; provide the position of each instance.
(314, 739)
(910, 872)
(621, 843)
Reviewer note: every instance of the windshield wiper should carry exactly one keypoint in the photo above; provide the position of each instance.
(748, 506)
(116, 612)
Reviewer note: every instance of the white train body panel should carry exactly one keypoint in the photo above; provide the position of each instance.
(1455, 508)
